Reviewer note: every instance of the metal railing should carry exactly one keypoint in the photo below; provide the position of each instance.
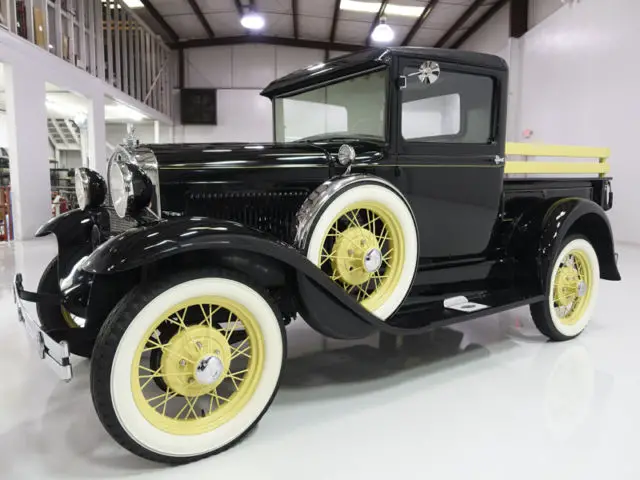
(103, 37)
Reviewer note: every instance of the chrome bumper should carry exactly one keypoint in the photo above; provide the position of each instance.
(55, 354)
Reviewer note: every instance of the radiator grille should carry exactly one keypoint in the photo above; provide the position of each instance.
(271, 212)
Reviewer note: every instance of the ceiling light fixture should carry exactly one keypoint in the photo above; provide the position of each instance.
(374, 7)
(252, 21)
(383, 33)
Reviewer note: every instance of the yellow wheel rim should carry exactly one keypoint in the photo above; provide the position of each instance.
(363, 251)
(68, 319)
(572, 287)
(197, 365)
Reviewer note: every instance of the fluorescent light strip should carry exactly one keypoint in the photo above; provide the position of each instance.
(374, 7)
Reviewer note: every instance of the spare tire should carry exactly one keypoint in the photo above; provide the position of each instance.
(362, 233)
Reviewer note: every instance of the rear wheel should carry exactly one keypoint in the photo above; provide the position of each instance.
(184, 368)
(55, 319)
(571, 291)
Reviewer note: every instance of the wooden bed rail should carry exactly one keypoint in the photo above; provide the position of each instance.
(600, 167)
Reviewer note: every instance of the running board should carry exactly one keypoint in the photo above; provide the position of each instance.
(458, 309)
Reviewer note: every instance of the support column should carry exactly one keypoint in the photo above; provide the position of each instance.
(28, 150)
(156, 131)
(97, 135)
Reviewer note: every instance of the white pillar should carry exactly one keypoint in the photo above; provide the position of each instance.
(28, 150)
(97, 134)
(156, 131)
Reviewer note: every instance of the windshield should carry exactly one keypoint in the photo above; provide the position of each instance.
(354, 107)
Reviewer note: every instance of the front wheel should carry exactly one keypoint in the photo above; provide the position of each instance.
(184, 368)
(571, 291)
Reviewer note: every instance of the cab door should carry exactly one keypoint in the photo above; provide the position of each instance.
(449, 138)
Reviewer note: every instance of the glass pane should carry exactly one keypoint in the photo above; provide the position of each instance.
(354, 107)
(453, 108)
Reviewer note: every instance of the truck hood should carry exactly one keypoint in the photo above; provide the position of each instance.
(259, 155)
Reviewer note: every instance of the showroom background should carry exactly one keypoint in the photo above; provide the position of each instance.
(573, 81)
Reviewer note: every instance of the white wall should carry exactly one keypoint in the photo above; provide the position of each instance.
(493, 37)
(117, 132)
(4, 132)
(239, 73)
(576, 83)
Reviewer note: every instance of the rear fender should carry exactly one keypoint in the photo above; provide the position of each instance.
(540, 232)
(577, 216)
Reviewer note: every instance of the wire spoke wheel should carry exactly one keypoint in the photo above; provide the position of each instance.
(197, 365)
(571, 287)
(363, 252)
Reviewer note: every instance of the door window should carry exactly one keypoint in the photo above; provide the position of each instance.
(454, 108)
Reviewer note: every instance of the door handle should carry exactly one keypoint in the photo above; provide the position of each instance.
(498, 160)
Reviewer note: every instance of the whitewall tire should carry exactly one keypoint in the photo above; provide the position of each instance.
(571, 290)
(197, 353)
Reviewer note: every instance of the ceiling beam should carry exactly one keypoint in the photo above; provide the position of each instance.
(203, 21)
(519, 18)
(287, 42)
(416, 26)
(376, 19)
(294, 10)
(334, 26)
(160, 19)
(459, 23)
(480, 23)
(239, 7)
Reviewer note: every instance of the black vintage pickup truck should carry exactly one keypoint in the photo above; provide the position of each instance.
(384, 205)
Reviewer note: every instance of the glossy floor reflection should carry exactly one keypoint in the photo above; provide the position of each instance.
(487, 399)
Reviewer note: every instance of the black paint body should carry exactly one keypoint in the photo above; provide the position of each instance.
(234, 205)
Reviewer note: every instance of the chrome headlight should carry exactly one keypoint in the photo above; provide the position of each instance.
(130, 188)
(90, 188)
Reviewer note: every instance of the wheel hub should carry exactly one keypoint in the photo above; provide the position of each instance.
(196, 360)
(356, 255)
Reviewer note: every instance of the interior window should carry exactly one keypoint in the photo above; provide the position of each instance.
(456, 108)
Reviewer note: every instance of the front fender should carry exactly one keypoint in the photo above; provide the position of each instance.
(73, 231)
(325, 306)
(577, 216)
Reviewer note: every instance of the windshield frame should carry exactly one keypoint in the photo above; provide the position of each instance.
(387, 115)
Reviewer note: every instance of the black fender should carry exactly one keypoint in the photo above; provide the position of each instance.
(75, 233)
(323, 304)
(542, 231)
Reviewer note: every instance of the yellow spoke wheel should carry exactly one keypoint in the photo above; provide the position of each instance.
(211, 358)
(363, 251)
(572, 287)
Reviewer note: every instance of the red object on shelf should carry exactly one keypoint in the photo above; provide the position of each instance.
(6, 223)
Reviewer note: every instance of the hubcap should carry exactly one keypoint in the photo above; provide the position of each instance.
(209, 370)
(372, 260)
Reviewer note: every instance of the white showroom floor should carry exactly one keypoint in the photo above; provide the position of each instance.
(485, 400)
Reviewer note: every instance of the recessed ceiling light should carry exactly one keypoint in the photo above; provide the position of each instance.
(374, 7)
(252, 21)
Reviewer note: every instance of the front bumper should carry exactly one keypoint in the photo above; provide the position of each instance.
(55, 354)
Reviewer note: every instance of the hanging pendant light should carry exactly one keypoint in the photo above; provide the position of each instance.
(383, 33)
(252, 20)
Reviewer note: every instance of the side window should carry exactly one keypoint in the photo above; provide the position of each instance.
(446, 107)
